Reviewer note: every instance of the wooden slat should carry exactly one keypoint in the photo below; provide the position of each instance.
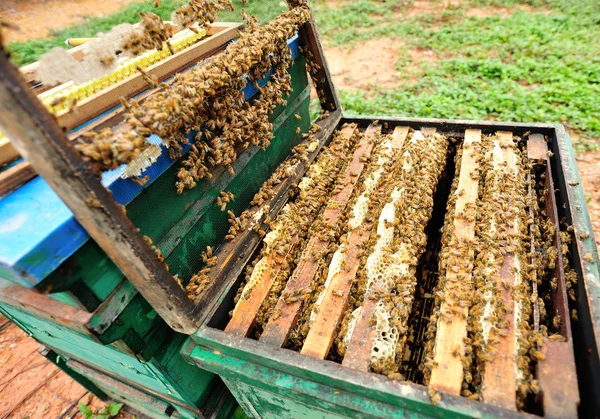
(557, 378)
(358, 352)
(329, 315)
(109, 97)
(39, 139)
(556, 373)
(15, 176)
(233, 255)
(45, 307)
(499, 381)
(7, 151)
(322, 79)
(246, 310)
(537, 149)
(447, 372)
(277, 329)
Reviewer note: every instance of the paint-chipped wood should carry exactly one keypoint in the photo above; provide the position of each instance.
(39, 139)
(447, 372)
(277, 329)
(329, 314)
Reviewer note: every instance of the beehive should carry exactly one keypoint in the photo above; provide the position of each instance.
(433, 279)
(398, 267)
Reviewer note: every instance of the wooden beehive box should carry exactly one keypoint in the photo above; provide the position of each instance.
(272, 377)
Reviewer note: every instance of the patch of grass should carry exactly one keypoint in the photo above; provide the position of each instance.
(27, 52)
(529, 67)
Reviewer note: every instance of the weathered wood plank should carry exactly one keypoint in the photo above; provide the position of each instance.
(109, 97)
(537, 149)
(322, 78)
(557, 374)
(267, 269)
(277, 329)
(15, 176)
(45, 307)
(7, 151)
(38, 137)
(447, 372)
(359, 350)
(558, 379)
(499, 381)
(329, 314)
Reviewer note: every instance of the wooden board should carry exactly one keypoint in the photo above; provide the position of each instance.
(278, 328)
(232, 256)
(45, 307)
(447, 372)
(247, 308)
(7, 151)
(109, 97)
(537, 149)
(556, 373)
(499, 380)
(359, 350)
(15, 176)
(330, 312)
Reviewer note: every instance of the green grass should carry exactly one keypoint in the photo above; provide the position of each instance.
(27, 52)
(528, 67)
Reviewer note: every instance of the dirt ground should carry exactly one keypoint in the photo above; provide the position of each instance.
(37, 18)
(30, 386)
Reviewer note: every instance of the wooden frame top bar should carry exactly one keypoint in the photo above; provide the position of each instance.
(329, 314)
(447, 372)
(277, 330)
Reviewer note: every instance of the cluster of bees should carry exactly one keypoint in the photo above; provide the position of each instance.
(256, 216)
(400, 211)
(295, 224)
(153, 34)
(209, 100)
(394, 201)
(223, 199)
(199, 11)
(510, 222)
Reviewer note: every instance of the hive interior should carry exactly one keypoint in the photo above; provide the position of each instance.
(387, 253)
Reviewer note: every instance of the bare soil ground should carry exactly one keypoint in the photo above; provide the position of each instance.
(37, 18)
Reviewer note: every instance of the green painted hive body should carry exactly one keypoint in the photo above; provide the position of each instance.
(277, 383)
(125, 338)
